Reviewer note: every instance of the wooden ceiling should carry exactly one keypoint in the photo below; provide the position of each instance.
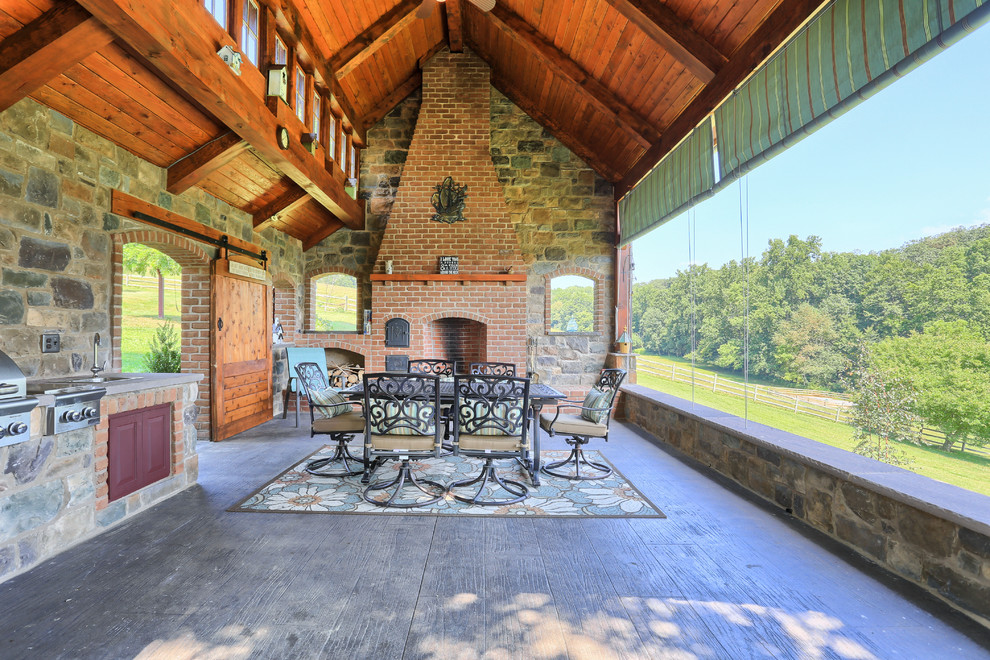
(619, 82)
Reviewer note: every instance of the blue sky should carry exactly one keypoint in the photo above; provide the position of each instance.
(912, 161)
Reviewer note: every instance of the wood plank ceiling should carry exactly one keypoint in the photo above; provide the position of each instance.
(620, 82)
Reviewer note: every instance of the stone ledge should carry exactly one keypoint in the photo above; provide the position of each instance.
(958, 505)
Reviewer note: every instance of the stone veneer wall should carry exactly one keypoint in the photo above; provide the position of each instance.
(56, 246)
(930, 533)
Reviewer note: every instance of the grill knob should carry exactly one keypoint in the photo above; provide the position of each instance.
(72, 416)
(90, 412)
(17, 428)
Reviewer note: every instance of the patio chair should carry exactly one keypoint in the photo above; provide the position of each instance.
(442, 368)
(493, 369)
(337, 418)
(492, 423)
(402, 414)
(591, 421)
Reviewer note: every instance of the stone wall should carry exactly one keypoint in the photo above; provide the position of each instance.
(930, 533)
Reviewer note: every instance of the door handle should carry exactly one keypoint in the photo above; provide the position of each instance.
(220, 323)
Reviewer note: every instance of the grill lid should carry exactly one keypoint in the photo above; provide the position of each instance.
(12, 381)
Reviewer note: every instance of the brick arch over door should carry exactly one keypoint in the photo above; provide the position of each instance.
(195, 306)
(599, 303)
(309, 282)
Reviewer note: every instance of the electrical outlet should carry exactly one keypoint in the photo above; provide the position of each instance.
(51, 342)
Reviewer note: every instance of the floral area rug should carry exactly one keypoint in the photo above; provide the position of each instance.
(297, 491)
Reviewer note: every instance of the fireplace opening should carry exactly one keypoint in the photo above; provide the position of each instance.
(462, 340)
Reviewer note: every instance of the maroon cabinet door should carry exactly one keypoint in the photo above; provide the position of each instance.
(138, 451)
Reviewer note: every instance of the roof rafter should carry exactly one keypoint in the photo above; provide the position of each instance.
(171, 39)
(671, 33)
(189, 171)
(60, 38)
(384, 106)
(332, 225)
(780, 24)
(286, 203)
(559, 63)
(372, 39)
(455, 25)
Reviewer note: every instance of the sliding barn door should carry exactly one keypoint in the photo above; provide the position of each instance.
(241, 352)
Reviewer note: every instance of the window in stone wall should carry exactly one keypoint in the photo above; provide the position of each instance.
(572, 304)
(335, 304)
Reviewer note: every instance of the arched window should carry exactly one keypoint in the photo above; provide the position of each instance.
(572, 304)
(335, 302)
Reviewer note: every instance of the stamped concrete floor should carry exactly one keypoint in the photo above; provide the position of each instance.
(721, 577)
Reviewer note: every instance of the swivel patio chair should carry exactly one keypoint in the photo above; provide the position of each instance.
(493, 369)
(590, 422)
(402, 413)
(491, 423)
(337, 418)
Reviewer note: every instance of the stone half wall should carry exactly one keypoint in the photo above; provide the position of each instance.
(932, 534)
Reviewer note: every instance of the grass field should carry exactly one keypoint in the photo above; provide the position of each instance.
(330, 307)
(961, 469)
(140, 319)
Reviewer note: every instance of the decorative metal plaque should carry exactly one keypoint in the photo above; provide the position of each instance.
(397, 333)
(448, 200)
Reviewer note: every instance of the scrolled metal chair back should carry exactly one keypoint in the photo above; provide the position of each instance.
(402, 404)
(311, 377)
(492, 405)
(608, 382)
(432, 367)
(493, 369)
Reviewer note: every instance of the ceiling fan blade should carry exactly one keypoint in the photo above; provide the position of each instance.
(426, 9)
(483, 5)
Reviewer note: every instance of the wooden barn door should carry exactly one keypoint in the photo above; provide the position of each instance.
(241, 352)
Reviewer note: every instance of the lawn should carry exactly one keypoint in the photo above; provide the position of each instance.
(335, 307)
(966, 470)
(140, 319)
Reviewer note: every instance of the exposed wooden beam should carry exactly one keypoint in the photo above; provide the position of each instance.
(394, 97)
(60, 38)
(372, 39)
(672, 34)
(172, 38)
(188, 172)
(455, 25)
(560, 64)
(780, 24)
(333, 224)
(123, 204)
(288, 202)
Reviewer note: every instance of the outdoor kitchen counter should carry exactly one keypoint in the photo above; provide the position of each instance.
(115, 387)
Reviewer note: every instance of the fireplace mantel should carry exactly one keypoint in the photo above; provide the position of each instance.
(437, 277)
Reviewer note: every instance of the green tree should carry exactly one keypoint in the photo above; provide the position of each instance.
(575, 303)
(143, 260)
(163, 356)
(949, 366)
(881, 413)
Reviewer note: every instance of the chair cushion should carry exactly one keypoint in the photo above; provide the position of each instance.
(596, 399)
(492, 442)
(412, 443)
(334, 400)
(572, 424)
(485, 418)
(418, 418)
(349, 422)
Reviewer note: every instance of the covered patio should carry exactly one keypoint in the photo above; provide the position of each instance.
(721, 577)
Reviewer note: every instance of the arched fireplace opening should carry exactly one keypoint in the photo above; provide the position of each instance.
(459, 339)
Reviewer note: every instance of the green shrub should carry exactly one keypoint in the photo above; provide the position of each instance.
(163, 356)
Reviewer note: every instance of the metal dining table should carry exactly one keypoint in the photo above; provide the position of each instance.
(539, 396)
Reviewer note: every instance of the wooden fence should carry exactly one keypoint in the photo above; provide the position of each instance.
(837, 406)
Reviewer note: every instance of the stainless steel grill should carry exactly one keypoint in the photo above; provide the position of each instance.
(15, 405)
(75, 407)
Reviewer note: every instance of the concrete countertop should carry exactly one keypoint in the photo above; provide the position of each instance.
(117, 386)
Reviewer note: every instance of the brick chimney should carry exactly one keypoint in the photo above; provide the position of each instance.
(452, 319)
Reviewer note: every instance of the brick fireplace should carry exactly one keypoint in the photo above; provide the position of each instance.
(480, 313)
